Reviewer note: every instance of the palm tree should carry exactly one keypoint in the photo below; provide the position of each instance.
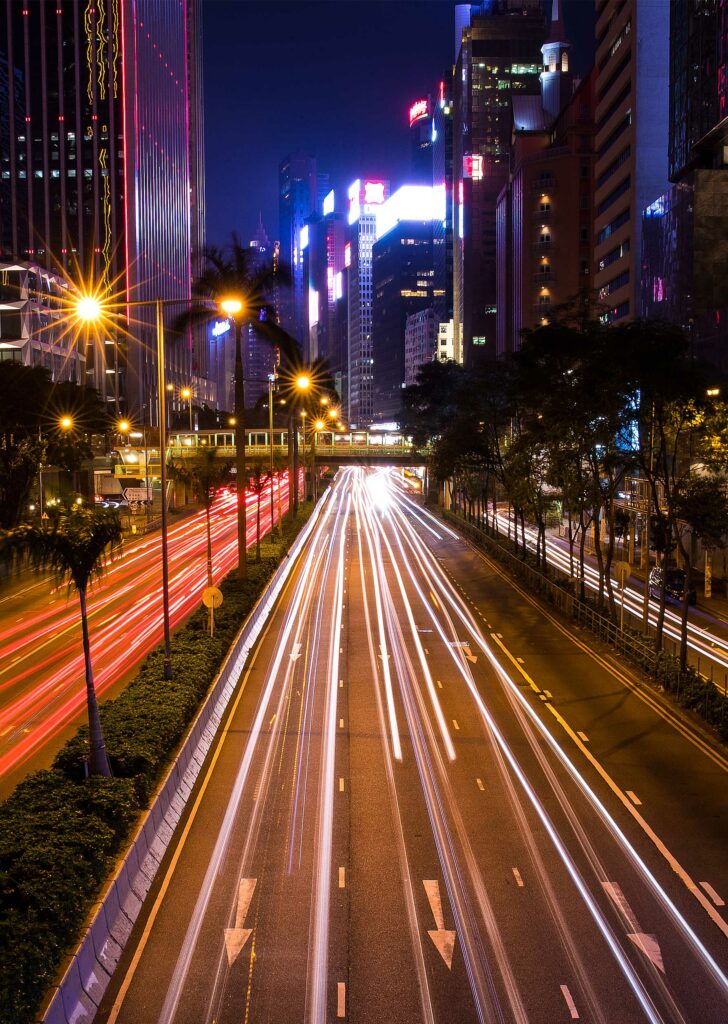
(260, 478)
(235, 276)
(74, 549)
(204, 473)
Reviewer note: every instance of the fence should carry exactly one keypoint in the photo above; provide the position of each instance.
(77, 997)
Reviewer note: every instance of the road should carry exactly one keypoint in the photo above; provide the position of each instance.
(429, 802)
(42, 689)
(707, 634)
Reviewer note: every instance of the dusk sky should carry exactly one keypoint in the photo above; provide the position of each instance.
(284, 75)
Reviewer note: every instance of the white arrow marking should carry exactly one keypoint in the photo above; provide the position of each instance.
(443, 939)
(469, 655)
(235, 938)
(647, 944)
(296, 652)
(383, 653)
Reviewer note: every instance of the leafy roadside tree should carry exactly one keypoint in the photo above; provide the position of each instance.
(204, 474)
(74, 549)
(236, 273)
(260, 480)
(30, 407)
(701, 509)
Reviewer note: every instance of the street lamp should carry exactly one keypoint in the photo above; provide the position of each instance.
(318, 425)
(65, 423)
(90, 308)
(186, 394)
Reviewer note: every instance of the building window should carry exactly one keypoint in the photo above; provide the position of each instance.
(614, 285)
(614, 195)
(615, 254)
(617, 313)
(610, 228)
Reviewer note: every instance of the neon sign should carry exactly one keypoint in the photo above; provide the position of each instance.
(329, 203)
(418, 110)
(473, 167)
(347, 254)
(374, 192)
(220, 327)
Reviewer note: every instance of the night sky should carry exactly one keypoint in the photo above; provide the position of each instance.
(332, 77)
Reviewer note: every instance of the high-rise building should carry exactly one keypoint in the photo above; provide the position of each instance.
(421, 133)
(498, 56)
(101, 170)
(298, 190)
(442, 174)
(685, 229)
(630, 169)
(545, 211)
(366, 196)
(403, 283)
(323, 243)
(421, 336)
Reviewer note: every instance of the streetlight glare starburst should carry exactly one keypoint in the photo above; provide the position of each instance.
(231, 306)
(89, 308)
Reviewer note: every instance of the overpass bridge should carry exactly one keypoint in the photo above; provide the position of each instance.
(328, 448)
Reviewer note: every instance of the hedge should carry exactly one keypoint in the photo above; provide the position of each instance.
(61, 834)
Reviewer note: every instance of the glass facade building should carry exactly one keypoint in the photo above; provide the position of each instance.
(101, 167)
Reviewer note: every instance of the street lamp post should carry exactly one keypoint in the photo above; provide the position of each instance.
(186, 393)
(271, 382)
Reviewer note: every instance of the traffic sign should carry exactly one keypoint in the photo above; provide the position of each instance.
(212, 597)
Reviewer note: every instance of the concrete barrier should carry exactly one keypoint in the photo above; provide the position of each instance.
(85, 979)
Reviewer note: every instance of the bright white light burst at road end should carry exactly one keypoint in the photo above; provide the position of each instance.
(379, 491)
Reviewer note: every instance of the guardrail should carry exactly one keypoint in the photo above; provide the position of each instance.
(77, 997)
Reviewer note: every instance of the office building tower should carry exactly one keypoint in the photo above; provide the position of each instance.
(685, 229)
(298, 189)
(421, 335)
(101, 171)
(322, 243)
(498, 57)
(403, 280)
(544, 215)
(366, 196)
(630, 144)
(420, 126)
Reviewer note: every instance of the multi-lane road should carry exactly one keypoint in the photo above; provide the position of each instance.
(431, 802)
(42, 690)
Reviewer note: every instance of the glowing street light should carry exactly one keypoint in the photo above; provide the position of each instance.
(303, 382)
(65, 423)
(88, 308)
(319, 424)
(231, 306)
(186, 393)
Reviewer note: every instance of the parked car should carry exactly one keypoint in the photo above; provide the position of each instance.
(674, 585)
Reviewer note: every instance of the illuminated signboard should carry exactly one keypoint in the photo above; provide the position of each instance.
(339, 286)
(374, 192)
(329, 203)
(412, 202)
(304, 237)
(473, 167)
(347, 254)
(418, 110)
(220, 327)
(313, 307)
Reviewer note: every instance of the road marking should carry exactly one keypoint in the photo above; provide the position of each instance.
(341, 723)
(633, 797)
(481, 787)
(520, 661)
(515, 662)
(439, 684)
(647, 944)
(237, 936)
(271, 721)
(341, 999)
(549, 694)
(341, 650)
(469, 654)
(583, 736)
(455, 724)
(295, 652)
(341, 785)
(499, 635)
(6, 731)
(649, 832)
(713, 894)
(442, 938)
(341, 684)
(543, 696)
(569, 1002)
(517, 876)
(342, 878)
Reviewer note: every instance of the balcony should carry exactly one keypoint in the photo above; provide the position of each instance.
(544, 216)
(543, 246)
(544, 276)
(544, 186)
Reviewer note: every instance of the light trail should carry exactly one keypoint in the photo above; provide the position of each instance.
(42, 678)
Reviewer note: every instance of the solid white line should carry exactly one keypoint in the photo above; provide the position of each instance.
(341, 999)
(713, 894)
(481, 787)
(633, 797)
(517, 876)
(569, 1002)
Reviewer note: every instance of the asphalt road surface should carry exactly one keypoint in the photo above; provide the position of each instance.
(430, 802)
(42, 687)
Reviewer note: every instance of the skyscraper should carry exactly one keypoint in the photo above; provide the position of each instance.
(298, 189)
(101, 164)
(366, 196)
(685, 229)
(403, 282)
(498, 55)
(324, 238)
(630, 145)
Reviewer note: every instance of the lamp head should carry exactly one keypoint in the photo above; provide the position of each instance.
(88, 308)
(231, 306)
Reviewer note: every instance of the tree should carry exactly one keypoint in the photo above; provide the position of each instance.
(204, 473)
(235, 273)
(260, 478)
(30, 408)
(74, 549)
